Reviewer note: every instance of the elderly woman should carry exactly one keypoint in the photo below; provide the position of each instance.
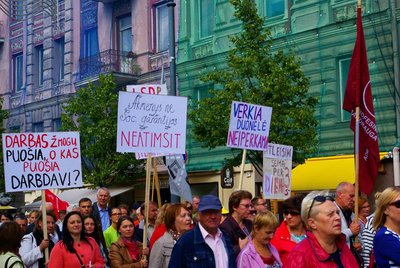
(177, 221)
(33, 244)
(237, 225)
(10, 237)
(258, 252)
(387, 224)
(75, 249)
(324, 245)
(292, 230)
(126, 252)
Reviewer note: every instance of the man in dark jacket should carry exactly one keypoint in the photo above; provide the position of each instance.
(205, 245)
(100, 208)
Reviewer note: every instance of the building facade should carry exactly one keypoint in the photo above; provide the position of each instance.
(322, 34)
(48, 52)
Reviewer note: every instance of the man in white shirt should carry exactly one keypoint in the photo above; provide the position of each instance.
(205, 245)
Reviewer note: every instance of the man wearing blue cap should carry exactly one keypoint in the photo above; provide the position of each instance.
(205, 245)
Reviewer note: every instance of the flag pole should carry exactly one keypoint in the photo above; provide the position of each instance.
(242, 168)
(357, 158)
(357, 166)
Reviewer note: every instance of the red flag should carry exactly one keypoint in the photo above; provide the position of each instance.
(358, 94)
(58, 204)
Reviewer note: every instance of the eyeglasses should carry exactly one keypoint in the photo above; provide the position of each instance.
(291, 212)
(396, 204)
(245, 205)
(262, 204)
(319, 198)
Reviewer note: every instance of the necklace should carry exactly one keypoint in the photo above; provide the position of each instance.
(297, 238)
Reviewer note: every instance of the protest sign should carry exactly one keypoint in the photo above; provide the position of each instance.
(151, 123)
(249, 126)
(37, 161)
(277, 167)
(148, 89)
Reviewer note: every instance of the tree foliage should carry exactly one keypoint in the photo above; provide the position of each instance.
(3, 117)
(257, 75)
(93, 112)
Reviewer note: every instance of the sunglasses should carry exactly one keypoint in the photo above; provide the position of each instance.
(291, 212)
(321, 199)
(396, 204)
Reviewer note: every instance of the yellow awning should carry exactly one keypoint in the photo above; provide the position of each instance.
(324, 173)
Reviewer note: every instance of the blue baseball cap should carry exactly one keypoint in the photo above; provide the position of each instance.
(209, 202)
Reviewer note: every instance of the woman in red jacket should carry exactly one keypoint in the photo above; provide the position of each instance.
(292, 230)
(75, 249)
(325, 245)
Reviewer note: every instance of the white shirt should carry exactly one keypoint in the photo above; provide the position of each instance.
(217, 246)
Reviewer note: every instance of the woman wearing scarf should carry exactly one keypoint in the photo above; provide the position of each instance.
(33, 245)
(177, 221)
(126, 252)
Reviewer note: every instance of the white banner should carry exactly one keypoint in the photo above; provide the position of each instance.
(37, 161)
(277, 167)
(148, 89)
(249, 126)
(151, 123)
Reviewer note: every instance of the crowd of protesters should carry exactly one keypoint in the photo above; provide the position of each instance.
(316, 230)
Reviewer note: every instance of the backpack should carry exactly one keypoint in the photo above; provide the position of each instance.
(12, 265)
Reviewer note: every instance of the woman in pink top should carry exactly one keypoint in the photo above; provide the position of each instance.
(75, 249)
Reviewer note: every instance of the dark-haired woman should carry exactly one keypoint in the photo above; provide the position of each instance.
(10, 232)
(33, 245)
(93, 230)
(126, 252)
(75, 249)
(292, 230)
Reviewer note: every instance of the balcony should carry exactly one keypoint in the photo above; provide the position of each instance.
(2, 32)
(123, 65)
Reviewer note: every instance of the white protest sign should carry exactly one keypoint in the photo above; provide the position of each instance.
(277, 167)
(148, 89)
(151, 123)
(37, 161)
(249, 126)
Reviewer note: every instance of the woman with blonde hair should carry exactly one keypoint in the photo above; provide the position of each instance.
(324, 245)
(387, 225)
(259, 252)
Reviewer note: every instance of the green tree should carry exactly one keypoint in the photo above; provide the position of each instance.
(3, 116)
(93, 112)
(257, 75)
